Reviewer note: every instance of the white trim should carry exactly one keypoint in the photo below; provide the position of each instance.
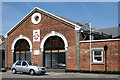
(97, 48)
(100, 40)
(21, 37)
(77, 28)
(53, 33)
(44, 12)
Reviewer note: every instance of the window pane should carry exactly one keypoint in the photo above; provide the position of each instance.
(97, 53)
(17, 57)
(98, 58)
(22, 56)
(28, 56)
(24, 64)
(62, 60)
(48, 59)
(18, 63)
(54, 60)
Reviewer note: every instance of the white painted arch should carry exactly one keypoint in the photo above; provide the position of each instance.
(53, 33)
(21, 37)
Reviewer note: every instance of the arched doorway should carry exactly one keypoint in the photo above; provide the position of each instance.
(54, 55)
(22, 50)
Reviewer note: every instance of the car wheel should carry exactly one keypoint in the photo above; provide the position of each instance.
(14, 71)
(32, 72)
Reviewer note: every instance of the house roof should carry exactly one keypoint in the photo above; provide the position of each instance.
(114, 31)
(61, 19)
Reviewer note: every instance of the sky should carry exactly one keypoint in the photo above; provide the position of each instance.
(101, 14)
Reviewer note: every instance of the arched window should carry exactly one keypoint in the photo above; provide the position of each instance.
(22, 50)
(54, 53)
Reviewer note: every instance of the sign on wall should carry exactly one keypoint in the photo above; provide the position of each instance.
(36, 52)
(36, 35)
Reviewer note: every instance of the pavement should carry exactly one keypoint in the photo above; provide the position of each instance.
(72, 75)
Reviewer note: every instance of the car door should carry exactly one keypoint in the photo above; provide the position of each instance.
(18, 66)
(25, 67)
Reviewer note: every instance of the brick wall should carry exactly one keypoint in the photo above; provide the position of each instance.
(46, 25)
(113, 55)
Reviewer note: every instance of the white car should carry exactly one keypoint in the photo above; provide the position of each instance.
(24, 66)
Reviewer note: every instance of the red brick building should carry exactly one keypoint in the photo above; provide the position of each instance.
(54, 42)
(103, 60)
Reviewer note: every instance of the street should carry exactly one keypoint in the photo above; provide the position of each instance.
(72, 75)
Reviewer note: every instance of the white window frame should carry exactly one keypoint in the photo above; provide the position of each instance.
(34, 16)
(97, 49)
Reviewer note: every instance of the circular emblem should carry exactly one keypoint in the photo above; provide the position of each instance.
(36, 18)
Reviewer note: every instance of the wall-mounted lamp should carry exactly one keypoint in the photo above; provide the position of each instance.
(105, 49)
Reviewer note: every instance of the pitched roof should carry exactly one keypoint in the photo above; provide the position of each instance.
(114, 31)
(83, 26)
(61, 19)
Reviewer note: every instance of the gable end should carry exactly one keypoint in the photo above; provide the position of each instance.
(36, 9)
